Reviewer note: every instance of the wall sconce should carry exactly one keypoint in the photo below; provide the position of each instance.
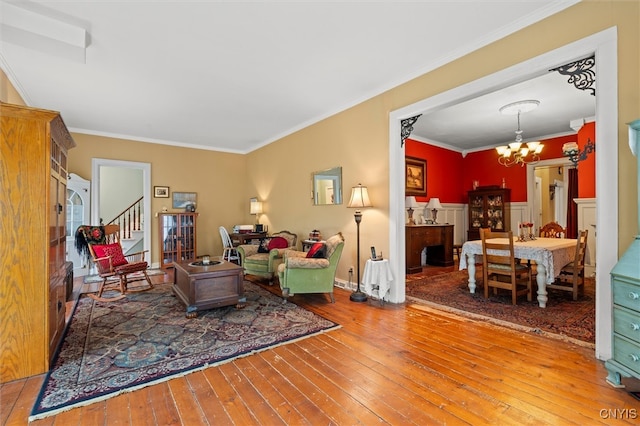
(434, 205)
(571, 150)
(256, 208)
(410, 203)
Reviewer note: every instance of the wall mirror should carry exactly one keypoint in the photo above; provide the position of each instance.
(327, 186)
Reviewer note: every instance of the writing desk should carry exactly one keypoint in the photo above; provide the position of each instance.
(239, 238)
(550, 255)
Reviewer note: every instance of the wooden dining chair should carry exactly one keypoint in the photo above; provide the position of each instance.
(500, 270)
(571, 277)
(552, 230)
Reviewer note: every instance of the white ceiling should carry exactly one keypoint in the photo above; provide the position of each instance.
(478, 124)
(237, 75)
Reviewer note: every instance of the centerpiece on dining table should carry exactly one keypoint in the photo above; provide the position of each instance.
(525, 231)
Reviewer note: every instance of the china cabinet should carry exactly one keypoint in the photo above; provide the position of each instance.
(177, 235)
(489, 207)
(33, 160)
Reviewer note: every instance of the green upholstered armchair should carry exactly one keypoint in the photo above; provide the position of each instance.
(265, 265)
(299, 274)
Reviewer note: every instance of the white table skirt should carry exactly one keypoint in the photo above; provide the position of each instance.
(377, 273)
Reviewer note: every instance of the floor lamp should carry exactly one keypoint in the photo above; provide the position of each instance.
(359, 199)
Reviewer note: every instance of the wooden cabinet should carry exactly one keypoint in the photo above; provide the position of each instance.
(438, 239)
(489, 207)
(177, 234)
(33, 182)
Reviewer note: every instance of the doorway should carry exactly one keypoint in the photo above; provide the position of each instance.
(98, 178)
(604, 45)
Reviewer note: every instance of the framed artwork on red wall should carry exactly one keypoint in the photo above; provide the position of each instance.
(415, 171)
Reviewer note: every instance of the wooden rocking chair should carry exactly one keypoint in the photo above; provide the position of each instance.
(102, 243)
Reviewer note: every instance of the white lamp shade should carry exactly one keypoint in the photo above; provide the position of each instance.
(359, 197)
(434, 203)
(256, 207)
(410, 202)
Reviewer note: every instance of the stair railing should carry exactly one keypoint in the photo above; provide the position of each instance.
(130, 219)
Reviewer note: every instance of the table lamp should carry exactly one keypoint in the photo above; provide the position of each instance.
(359, 199)
(434, 205)
(410, 203)
(256, 208)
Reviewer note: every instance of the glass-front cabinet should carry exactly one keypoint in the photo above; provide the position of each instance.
(177, 234)
(489, 207)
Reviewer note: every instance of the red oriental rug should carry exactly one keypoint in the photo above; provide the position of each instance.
(562, 316)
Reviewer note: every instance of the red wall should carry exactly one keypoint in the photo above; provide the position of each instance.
(443, 172)
(450, 176)
(587, 168)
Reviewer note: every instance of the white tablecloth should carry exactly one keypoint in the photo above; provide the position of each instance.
(377, 273)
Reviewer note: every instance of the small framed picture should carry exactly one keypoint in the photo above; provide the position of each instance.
(161, 192)
(415, 176)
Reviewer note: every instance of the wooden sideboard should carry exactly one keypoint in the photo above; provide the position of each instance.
(438, 239)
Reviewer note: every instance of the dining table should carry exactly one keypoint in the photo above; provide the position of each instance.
(549, 254)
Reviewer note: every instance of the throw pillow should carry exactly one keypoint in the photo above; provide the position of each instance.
(113, 250)
(278, 242)
(317, 251)
(263, 247)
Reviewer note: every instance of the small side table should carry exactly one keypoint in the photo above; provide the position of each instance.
(377, 277)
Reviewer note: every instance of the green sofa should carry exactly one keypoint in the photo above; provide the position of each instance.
(299, 274)
(265, 265)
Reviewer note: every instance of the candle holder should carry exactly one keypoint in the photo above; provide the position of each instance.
(525, 232)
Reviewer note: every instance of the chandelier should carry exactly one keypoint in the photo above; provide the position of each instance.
(518, 152)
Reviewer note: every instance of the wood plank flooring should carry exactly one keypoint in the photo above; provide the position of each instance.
(387, 364)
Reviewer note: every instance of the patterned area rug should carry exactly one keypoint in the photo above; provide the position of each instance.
(116, 347)
(562, 316)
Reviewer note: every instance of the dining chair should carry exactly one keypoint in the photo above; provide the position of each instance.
(229, 252)
(571, 277)
(552, 230)
(500, 270)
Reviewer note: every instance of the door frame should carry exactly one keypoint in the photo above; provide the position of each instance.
(604, 45)
(96, 163)
(78, 185)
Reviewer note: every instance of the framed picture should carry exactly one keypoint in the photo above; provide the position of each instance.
(415, 172)
(185, 200)
(161, 192)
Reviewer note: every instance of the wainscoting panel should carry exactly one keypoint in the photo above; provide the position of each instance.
(453, 213)
(587, 220)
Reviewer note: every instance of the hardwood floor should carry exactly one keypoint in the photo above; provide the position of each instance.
(387, 364)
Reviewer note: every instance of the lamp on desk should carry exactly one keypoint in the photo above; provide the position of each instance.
(410, 203)
(256, 208)
(359, 199)
(434, 205)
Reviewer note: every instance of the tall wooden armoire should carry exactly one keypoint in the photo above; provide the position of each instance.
(33, 182)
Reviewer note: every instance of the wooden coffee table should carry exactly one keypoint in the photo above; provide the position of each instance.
(208, 286)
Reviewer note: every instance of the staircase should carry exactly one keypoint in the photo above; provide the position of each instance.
(131, 227)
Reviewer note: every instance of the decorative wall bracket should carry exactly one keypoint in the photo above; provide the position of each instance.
(581, 73)
(407, 127)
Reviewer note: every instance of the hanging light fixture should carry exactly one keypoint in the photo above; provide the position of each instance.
(517, 152)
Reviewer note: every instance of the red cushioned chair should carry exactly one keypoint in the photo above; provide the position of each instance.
(103, 245)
